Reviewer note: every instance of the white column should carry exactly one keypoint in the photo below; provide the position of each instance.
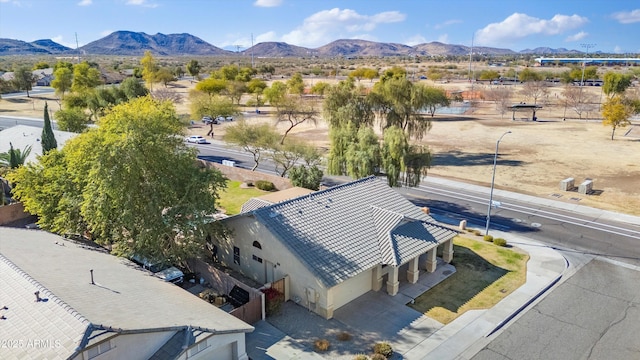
(393, 284)
(447, 251)
(430, 265)
(413, 272)
(376, 278)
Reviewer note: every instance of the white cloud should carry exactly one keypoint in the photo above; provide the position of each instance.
(266, 37)
(415, 40)
(447, 23)
(141, 3)
(617, 49)
(328, 25)
(627, 17)
(60, 40)
(85, 2)
(518, 26)
(576, 37)
(267, 3)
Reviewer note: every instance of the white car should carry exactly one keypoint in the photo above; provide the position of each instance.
(164, 271)
(197, 139)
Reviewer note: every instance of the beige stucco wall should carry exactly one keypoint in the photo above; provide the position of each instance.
(346, 291)
(245, 230)
(132, 346)
(223, 347)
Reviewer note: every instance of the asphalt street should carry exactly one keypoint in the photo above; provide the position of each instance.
(594, 314)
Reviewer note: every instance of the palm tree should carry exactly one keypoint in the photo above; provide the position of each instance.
(14, 157)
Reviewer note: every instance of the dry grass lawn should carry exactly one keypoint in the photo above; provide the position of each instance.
(533, 159)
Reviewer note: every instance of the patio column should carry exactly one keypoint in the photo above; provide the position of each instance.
(430, 264)
(376, 278)
(393, 284)
(447, 251)
(413, 272)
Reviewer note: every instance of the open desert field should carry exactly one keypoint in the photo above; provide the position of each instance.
(533, 159)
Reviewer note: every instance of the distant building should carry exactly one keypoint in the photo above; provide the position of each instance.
(588, 61)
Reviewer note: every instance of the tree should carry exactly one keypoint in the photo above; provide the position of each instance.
(416, 163)
(535, 90)
(164, 76)
(306, 177)
(63, 79)
(287, 155)
(256, 87)
(501, 96)
(193, 68)
(212, 86)
(435, 97)
(71, 119)
(48, 138)
(529, 75)
(275, 93)
(366, 73)
(577, 100)
(489, 75)
(165, 94)
(14, 157)
(362, 157)
(62, 64)
(294, 111)
(133, 88)
(143, 193)
(23, 79)
(235, 89)
(254, 139)
(319, 88)
(295, 85)
(149, 69)
(85, 77)
(615, 113)
(213, 106)
(615, 83)
(41, 65)
(394, 149)
(178, 71)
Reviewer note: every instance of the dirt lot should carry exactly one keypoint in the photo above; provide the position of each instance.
(533, 159)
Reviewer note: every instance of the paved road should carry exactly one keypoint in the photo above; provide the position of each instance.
(564, 229)
(38, 90)
(9, 121)
(595, 314)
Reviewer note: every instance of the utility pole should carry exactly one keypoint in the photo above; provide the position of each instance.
(584, 62)
(77, 49)
(238, 47)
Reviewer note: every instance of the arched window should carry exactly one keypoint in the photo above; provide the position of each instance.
(257, 245)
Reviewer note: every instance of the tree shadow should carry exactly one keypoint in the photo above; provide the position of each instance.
(473, 274)
(458, 158)
(449, 118)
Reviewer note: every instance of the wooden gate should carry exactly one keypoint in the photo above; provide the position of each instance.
(250, 312)
(279, 285)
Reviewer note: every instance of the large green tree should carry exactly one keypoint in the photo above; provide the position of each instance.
(143, 193)
(253, 138)
(71, 119)
(48, 138)
(62, 80)
(23, 79)
(149, 69)
(193, 68)
(615, 83)
(85, 77)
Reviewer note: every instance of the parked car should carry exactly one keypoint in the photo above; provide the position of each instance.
(229, 118)
(208, 120)
(160, 269)
(197, 139)
(220, 119)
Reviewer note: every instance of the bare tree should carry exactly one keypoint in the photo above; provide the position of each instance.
(534, 90)
(295, 110)
(578, 100)
(501, 97)
(164, 94)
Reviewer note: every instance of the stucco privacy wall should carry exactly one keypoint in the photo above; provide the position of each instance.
(348, 290)
(244, 175)
(143, 345)
(246, 230)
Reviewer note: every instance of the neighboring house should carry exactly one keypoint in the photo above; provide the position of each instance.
(21, 136)
(335, 244)
(43, 77)
(62, 300)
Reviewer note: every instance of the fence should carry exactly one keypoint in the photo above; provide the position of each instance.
(12, 212)
(250, 312)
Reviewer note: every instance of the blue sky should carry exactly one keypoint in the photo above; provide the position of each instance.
(609, 25)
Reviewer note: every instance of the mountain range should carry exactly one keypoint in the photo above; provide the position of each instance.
(136, 43)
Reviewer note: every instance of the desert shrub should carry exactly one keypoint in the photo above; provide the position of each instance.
(361, 357)
(488, 238)
(500, 242)
(378, 357)
(265, 185)
(383, 348)
(477, 232)
(343, 336)
(321, 345)
(249, 183)
(273, 301)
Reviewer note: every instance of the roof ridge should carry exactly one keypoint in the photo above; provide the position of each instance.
(385, 240)
(44, 291)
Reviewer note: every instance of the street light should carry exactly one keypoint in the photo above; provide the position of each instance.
(493, 178)
(584, 63)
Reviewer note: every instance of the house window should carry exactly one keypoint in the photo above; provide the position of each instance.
(99, 349)
(202, 345)
(258, 259)
(236, 255)
(257, 245)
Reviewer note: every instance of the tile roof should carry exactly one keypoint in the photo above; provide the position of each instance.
(123, 298)
(345, 230)
(22, 136)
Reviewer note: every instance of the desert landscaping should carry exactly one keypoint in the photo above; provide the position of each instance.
(533, 159)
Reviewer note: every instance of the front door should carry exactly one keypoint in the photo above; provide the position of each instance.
(268, 271)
